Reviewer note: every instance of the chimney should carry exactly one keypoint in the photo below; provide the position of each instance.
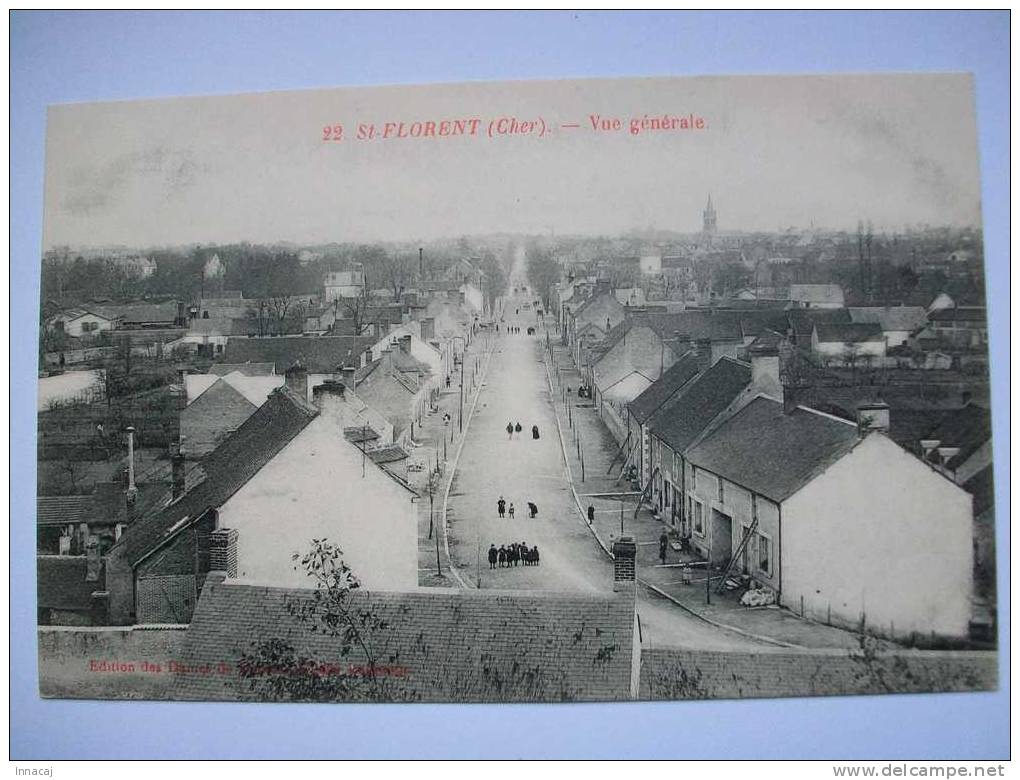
(624, 553)
(350, 379)
(405, 344)
(99, 607)
(131, 489)
(223, 551)
(93, 560)
(329, 397)
(765, 373)
(296, 378)
(873, 417)
(703, 350)
(177, 472)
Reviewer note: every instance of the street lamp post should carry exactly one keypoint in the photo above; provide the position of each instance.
(460, 419)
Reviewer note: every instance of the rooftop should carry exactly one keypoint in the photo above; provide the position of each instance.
(318, 354)
(771, 452)
(685, 416)
(660, 391)
(453, 645)
(227, 469)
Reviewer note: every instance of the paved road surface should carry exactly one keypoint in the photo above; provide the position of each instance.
(523, 469)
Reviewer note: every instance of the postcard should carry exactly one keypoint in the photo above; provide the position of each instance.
(598, 390)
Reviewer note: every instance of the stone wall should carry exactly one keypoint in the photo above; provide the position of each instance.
(683, 674)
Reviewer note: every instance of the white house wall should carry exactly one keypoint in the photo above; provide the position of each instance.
(880, 534)
(314, 489)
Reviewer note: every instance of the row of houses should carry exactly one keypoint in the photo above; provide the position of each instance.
(283, 440)
(839, 518)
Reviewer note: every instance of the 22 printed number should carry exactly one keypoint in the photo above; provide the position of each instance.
(333, 133)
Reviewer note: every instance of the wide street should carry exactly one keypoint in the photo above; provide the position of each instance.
(523, 469)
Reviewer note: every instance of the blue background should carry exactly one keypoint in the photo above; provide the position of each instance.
(64, 57)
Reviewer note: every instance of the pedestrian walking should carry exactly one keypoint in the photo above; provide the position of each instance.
(501, 556)
(501, 506)
(663, 544)
(493, 556)
(510, 429)
(534, 555)
(532, 509)
(534, 431)
(591, 514)
(447, 380)
(511, 510)
(525, 554)
(517, 427)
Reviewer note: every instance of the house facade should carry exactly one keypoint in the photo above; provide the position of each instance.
(828, 525)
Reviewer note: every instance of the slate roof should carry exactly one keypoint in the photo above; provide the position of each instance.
(773, 453)
(452, 645)
(968, 314)
(140, 313)
(227, 469)
(854, 332)
(661, 390)
(319, 354)
(967, 428)
(360, 434)
(803, 320)
(817, 293)
(682, 419)
(908, 318)
(982, 487)
(61, 584)
(248, 369)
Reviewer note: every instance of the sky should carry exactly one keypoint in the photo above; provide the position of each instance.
(774, 152)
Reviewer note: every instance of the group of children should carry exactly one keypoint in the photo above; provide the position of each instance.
(512, 554)
(502, 510)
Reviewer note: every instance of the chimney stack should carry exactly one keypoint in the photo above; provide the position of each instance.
(177, 472)
(405, 344)
(624, 574)
(131, 489)
(329, 396)
(873, 417)
(296, 378)
(223, 551)
(350, 377)
(703, 350)
(765, 373)
(93, 559)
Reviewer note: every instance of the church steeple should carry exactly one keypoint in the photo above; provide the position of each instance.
(708, 219)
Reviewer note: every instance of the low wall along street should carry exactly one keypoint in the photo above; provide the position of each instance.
(108, 662)
(684, 674)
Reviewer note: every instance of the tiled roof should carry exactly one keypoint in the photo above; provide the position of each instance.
(61, 583)
(773, 453)
(452, 645)
(959, 314)
(907, 318)
(360, 434)
(103, 507)
(967, 428)
(248, 369)
(817, 293)
(63, 510)
(319, 354)
(391, 453)
(685, 416)
(660, 391)
(803, 320)
(854, 332)
(227, 469)
(138, 313)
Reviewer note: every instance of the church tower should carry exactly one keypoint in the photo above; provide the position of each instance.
(708, 219)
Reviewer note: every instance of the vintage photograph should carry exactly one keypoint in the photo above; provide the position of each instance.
(551, 391)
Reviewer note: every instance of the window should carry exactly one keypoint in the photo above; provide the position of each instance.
(764, 555)
(720, 489)
(699, 527)
(694, 478)
(88, 327)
